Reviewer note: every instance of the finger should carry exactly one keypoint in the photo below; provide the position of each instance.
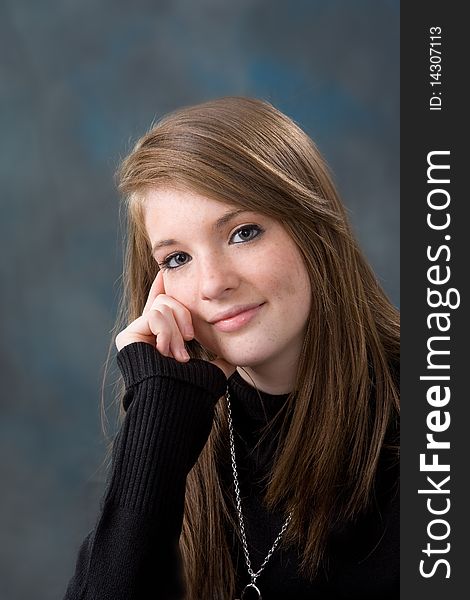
(156, 288)
(176, 347)
(181, 314)
(161, 329)
(169, 340)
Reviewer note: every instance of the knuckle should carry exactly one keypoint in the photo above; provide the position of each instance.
(163, 309)
(157, 302)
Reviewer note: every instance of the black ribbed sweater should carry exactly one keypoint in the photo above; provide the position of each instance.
(132, 552)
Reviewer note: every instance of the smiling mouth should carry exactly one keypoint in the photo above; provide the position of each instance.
(237, 321)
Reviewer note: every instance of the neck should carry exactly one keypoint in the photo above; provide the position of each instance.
(276, 377)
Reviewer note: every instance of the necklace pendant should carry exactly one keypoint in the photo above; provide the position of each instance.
(251, 592)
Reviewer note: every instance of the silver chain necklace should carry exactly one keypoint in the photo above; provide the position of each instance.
(251, 587)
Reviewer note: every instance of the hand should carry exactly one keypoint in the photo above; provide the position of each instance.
(164, 324)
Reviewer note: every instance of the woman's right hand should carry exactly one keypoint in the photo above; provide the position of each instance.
(165, 323)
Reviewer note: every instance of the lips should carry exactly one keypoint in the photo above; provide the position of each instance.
(232, 312)
(236, 317)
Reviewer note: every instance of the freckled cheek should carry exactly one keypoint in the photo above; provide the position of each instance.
(293, 290)
(279, 284)
(184, 294)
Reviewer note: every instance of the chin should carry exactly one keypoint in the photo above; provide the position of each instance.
(241, 357)
(245, 350)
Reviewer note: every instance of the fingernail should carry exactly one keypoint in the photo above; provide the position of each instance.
(185, 355)
(189, 332)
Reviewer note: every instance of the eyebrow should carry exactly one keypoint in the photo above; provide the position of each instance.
(221, 222)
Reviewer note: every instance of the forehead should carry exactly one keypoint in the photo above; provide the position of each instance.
(172, 214)
(168, 209)
(168, 202)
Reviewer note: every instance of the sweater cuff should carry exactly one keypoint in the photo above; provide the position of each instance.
(139, 361)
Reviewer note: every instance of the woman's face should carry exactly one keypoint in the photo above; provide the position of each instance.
(218, 258)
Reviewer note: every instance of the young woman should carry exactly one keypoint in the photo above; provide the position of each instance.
(258, 454)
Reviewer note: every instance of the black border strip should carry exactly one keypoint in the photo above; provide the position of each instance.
(433, 120)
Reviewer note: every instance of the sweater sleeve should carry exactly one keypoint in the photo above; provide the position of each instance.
(132, 553)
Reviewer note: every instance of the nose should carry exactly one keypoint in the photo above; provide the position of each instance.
(217, 276)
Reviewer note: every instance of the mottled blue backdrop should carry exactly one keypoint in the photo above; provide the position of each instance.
(79, 81)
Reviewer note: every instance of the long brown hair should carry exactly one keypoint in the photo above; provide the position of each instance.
(245, 152)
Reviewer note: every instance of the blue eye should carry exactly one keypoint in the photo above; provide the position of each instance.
(178, 259)
(247, 233)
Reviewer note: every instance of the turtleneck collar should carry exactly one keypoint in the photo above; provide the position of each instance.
(252, 409)
(256, 444)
